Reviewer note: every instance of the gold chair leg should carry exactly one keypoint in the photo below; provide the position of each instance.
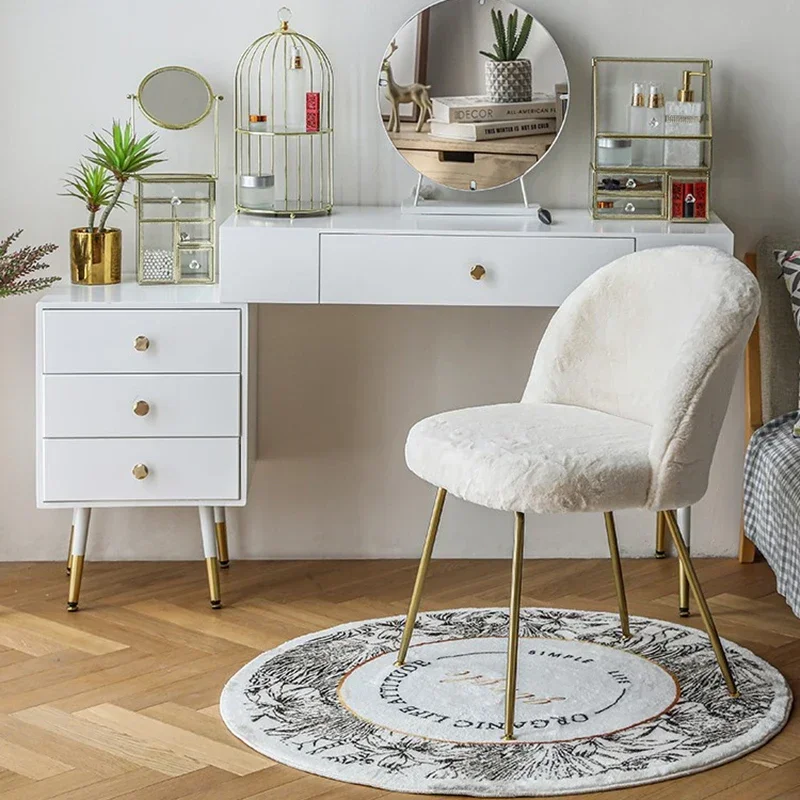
(616, 564)
(513, 625)
(700, 599)
(661, 535)
(422, 570)
(76, 574)
(69, 551)
(221, 531)
(212, 568)
(683, 591)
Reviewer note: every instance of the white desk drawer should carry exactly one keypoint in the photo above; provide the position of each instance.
(78, 406)
(86, 470)
(178, 340)
(435, 270)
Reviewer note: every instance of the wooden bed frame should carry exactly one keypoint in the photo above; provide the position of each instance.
(754, 414)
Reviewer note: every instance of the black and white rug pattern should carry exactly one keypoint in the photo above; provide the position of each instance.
(594, 711)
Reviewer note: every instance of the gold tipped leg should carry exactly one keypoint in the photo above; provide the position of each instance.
(700, 599)
(75, 577)
(422, 570)
(212, 568)
(513, 624)
(69, 550)
(661, 535)
(221, 529)
(619, 583)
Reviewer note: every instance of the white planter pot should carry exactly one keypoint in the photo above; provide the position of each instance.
(509, 81)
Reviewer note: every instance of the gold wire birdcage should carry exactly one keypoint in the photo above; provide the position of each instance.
(284, 126)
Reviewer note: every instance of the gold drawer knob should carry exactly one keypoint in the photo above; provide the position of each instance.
(140, 472)
(141, 408)
(141, 343)
(478, 272)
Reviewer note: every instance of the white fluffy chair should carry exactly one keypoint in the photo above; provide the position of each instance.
(623, 409)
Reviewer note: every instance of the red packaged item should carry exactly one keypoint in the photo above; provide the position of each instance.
(678, 196)
(701, 200)
(312, 112)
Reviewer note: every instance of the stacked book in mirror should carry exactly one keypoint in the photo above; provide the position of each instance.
(478, 119)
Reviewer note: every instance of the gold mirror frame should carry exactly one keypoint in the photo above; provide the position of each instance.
(167, 125)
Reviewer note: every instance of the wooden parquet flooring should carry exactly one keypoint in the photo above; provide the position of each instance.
(120, 700)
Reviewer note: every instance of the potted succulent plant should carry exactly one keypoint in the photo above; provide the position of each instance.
(509, 78)
(96, 252)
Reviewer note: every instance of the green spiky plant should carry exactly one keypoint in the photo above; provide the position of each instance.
(509, 44)
(125, 156)
(94, 185)
(17, 267)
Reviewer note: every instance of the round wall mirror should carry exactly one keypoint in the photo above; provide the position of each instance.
(473, 93)
(175, 97)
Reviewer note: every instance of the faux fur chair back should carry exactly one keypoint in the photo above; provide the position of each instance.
(656, 337)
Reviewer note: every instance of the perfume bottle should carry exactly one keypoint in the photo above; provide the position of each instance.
(637, 123)
(654, 148)
(684, 117)
(296, 92)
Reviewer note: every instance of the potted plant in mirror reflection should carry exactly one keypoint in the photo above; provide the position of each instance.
(509, 78)
(99, 182)
(18, 266)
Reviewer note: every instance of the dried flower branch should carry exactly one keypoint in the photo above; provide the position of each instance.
(17, 266)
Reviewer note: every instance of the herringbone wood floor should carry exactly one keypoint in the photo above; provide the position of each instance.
(120, 700)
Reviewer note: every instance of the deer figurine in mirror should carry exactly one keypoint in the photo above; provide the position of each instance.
(398, 94)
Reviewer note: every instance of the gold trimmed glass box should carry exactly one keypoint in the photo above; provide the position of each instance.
(176, 228)
(652, 142)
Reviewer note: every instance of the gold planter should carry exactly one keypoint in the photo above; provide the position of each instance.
(95, 258)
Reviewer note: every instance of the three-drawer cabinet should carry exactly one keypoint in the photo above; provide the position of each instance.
(142, 400)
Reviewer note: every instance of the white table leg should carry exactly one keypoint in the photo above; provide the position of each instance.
(685, 524)
(207, 529)
(77, 548)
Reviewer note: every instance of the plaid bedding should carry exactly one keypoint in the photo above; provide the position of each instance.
(772, 502)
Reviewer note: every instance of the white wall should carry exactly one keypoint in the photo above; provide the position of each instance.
(341, 386)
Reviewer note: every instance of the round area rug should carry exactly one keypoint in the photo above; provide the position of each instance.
(594, 711)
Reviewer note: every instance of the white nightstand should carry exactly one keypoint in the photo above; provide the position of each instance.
(143, 396)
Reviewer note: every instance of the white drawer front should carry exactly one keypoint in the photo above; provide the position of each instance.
(102, 406)
(86, 470)
(435, 270)
(178, 340)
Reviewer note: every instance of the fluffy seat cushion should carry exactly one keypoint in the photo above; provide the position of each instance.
(534, 457)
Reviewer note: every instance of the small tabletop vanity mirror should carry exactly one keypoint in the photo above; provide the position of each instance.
(175, 98)
(473, 93)
(176, 212)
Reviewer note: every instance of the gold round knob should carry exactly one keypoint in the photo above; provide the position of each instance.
(477, 272)
(141, 408)
(141, 343)
(140, 472)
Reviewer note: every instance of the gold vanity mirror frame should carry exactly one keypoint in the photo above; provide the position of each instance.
(467, 165)
(173, 126)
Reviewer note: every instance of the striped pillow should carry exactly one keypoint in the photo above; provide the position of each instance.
(789, 262)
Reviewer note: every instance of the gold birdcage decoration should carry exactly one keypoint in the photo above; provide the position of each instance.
(284, 126)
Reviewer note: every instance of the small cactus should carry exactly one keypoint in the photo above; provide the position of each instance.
(509, 44)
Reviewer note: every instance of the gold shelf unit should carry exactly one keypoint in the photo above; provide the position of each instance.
(274, 74)
(615, 193)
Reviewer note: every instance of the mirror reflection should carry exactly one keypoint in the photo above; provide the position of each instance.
(473, 94)
(175, 97)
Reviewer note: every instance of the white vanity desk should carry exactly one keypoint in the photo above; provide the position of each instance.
(145, 395)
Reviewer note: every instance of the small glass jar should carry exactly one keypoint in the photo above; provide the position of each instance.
(258, 123)
(614, 152)
(257, 192)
